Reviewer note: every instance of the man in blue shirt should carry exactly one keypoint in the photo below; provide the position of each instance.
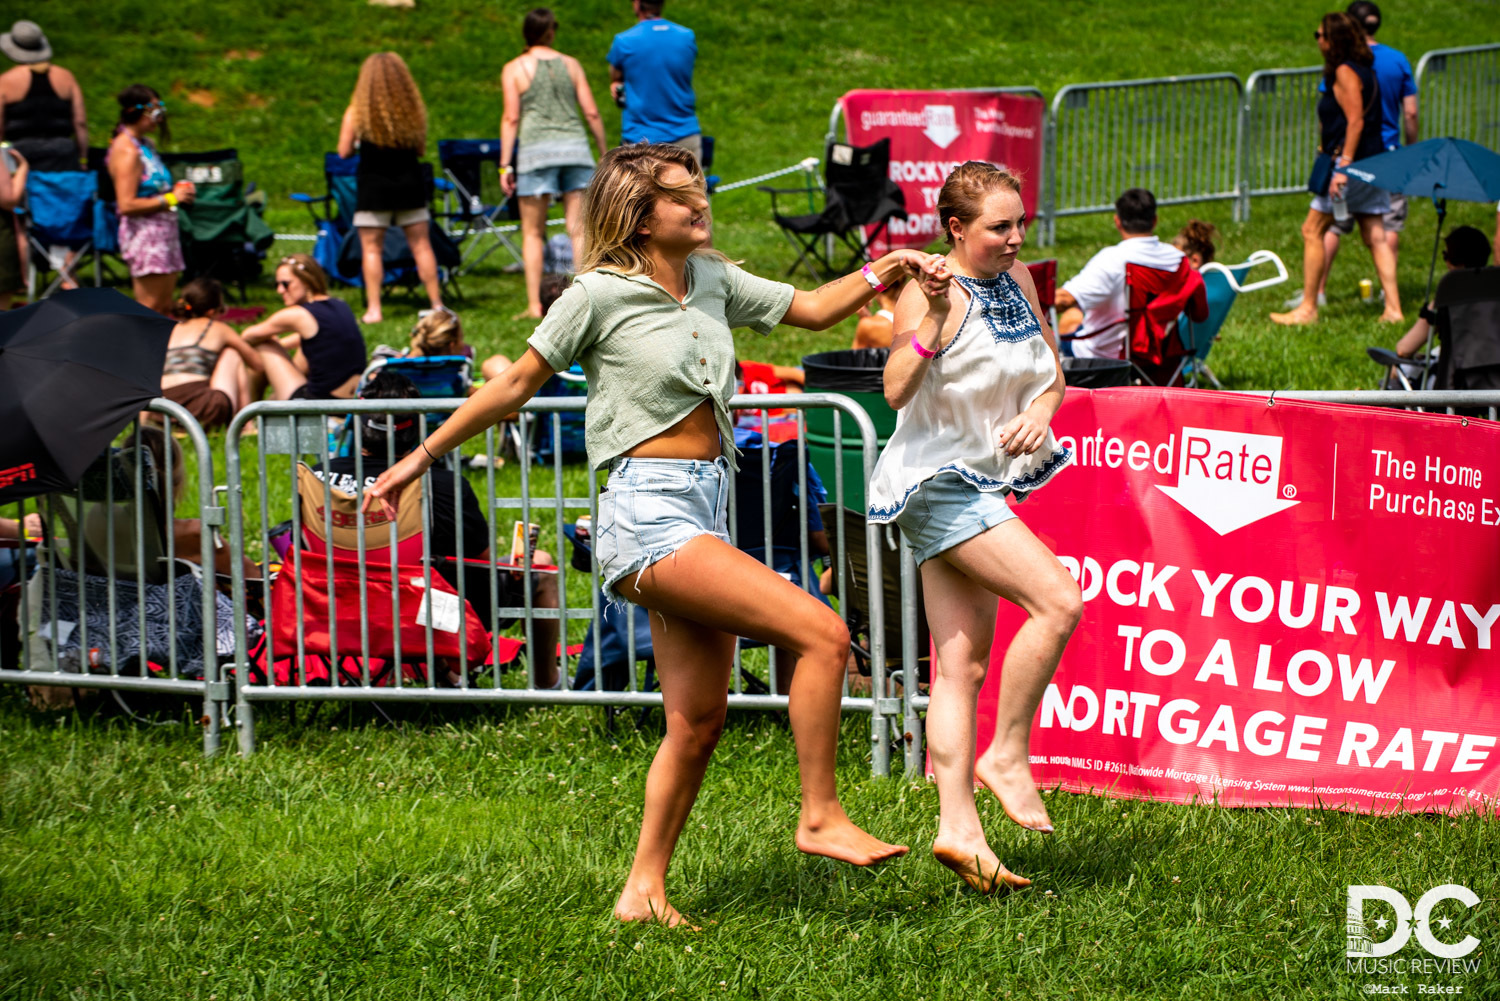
(1398, 115)
(651, 68)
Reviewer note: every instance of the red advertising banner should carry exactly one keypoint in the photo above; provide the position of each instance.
(1286, 603)
(933, 131)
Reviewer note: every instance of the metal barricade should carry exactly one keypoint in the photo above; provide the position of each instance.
(364, 606)
(1278, 132)
(1460, 93)
(1434, 400)
(1177, 136)
(107, 600)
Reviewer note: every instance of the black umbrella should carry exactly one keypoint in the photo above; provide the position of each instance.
(75, 369)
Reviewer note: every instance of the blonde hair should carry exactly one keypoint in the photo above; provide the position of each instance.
(308, 272)
(623, 195)
(965, 190)
(437, 333)
(388, 108)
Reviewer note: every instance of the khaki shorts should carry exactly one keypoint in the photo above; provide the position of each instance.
(379, 220)
(1395, 219)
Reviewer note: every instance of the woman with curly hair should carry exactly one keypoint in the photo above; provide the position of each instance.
(387, 122)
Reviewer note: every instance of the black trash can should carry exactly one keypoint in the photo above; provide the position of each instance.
(1096, 373)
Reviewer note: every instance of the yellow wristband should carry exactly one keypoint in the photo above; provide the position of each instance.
(170, 199)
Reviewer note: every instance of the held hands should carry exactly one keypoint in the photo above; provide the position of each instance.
(388, 486)
(185, 191)
(508, 182)
(1023, 434)
(931, 274)
(1337, 183)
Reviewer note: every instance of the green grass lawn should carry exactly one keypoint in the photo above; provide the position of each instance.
(477, 854)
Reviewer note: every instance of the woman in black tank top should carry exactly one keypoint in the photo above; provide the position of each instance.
(386, 123)
(1349, 120)
(44, 114)
(321, 329)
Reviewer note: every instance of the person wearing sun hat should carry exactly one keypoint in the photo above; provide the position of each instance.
(41, 104)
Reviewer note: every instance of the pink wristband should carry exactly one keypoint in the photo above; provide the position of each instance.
(875, 283)
(916, 346)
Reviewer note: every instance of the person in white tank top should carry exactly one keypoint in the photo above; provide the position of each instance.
(974, 372)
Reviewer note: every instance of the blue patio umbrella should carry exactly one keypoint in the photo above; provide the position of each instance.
(1439, 169)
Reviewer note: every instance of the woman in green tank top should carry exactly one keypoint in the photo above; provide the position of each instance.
(544, 93)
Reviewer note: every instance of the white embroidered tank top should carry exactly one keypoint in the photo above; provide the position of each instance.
(994, 368)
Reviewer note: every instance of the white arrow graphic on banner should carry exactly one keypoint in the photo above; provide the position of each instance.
(942, 124)
(1229, 479)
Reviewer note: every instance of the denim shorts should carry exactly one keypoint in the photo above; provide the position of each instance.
(1362, 199)
(947, 510)
(553, 180)
(652, 508)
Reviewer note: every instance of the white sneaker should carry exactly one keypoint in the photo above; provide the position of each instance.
(1296, 300)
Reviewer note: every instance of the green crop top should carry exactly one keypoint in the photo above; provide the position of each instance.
(649, 359)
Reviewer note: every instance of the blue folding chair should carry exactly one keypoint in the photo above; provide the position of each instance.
(436, 377)
(59, 215)
(540, 430)
(479, 216)
(1222, 285)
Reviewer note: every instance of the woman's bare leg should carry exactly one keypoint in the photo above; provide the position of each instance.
(155, 291)
(692, 664)
(1010, 561)
(229, 378)
(534, 249)
(716, 585)
(282, 373)
(1313, 228)
(1372, 227)
(573, 222)
(372, 267)
(420, 241)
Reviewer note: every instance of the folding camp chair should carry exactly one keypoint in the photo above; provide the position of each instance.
(1044, 277)
(1222, 285)
(536, 437)
(857, 610)
(479, 216)
(223, 233)
(1156, 299)
(59, 220)
(860, 200)
(337, 248)
(436, 377)
(1466, 328)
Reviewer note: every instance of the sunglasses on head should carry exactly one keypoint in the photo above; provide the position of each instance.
(1318, 36)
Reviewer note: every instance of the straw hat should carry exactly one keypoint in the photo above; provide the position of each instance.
(25, 43)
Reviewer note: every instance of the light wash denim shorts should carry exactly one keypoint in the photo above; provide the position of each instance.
(652, 507)
(553, 180)
(947, 510)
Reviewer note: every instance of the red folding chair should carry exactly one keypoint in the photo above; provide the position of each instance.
(1044, 277)
(1156, 299)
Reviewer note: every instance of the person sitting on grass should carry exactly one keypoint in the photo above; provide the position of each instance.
(320, 328)
(208, 364)
(442, 523)
(1464, 247)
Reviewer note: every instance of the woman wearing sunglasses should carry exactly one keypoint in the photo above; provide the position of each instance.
(320, 328)
(146, 198)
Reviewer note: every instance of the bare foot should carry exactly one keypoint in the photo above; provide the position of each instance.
(976, 864)
(646, 906)
(1300, 317)
(372, 318)
(1015, 788)
(1392, 317)
(840, 839)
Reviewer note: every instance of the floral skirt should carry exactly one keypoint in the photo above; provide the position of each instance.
(151, 244)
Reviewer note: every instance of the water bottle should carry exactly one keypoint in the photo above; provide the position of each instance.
(1340, 207)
